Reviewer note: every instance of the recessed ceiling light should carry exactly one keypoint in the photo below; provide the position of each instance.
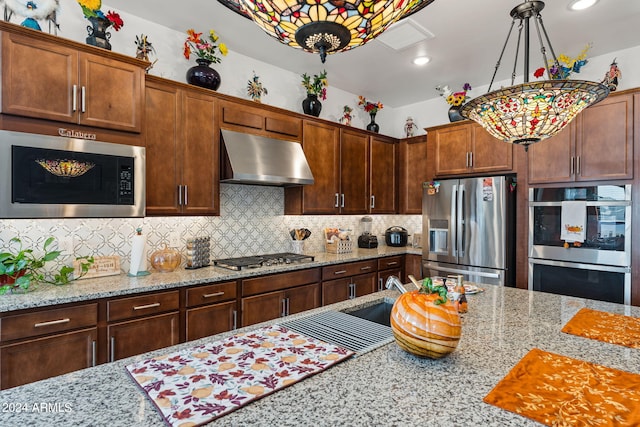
(421, 60)
(581, 4)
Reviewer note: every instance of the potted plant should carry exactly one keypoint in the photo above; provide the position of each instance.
(20, 268)
(315, 87)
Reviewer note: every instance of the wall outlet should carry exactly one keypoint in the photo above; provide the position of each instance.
(174, 239)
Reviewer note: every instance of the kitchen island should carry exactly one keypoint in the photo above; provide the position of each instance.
(385, 386)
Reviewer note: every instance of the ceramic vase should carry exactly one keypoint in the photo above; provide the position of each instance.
(454, 113)
(98, 34)
(373, 126)
(311, 105)
(203, 75)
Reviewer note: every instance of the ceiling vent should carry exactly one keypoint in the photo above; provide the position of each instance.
(403, 34)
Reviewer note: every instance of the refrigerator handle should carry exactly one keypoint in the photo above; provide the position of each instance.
(454, 221)
(462, 227)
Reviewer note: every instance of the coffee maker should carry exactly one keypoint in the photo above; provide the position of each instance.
(367, 240)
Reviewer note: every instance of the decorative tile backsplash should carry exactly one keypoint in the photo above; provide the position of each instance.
(251, 222)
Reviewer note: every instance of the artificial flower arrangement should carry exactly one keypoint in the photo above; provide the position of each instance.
(455, 99)
(369, 107)
(565, 65)
(316, 87)
(255, 89)
(91, 9)
(202, 48)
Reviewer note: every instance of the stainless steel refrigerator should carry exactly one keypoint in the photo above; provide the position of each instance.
(469, 225)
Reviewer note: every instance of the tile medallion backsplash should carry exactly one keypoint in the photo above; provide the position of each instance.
(251, 222)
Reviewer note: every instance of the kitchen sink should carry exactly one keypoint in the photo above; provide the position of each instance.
(379, 313)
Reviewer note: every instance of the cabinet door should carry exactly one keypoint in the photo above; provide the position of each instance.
(321, 146)
(303, 298)
(37, 359)
(365, 283)
(200, 155)
(383, 168)
(604, 147)
(44, 91)
(113, 93)
(164, 158)
(413, 266)
(335, 291)
(384, 275)
(452, 150)
(261, 308)
(210, 320)
(489, 154)
(354, 179)
(413, 172)
(142, 335)
(552, 160)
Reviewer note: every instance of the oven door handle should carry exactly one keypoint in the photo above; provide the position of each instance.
(581, 266)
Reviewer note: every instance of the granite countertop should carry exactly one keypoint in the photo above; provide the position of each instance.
(111, 286)
(386, 386)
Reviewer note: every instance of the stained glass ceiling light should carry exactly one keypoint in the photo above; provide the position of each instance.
(325, 26)
(531, 111)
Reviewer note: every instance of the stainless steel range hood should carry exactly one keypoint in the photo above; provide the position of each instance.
(252, 159)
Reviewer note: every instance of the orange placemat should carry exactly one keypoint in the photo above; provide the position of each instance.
(607, 327)
(559, 391)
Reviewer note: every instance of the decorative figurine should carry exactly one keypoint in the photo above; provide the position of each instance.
(255, 89)
(346, 116)
(611, 77)
(409, 127)
(144, 48)
(33, 11)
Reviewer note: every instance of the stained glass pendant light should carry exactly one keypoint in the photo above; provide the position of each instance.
(532, 111)
(325, 26)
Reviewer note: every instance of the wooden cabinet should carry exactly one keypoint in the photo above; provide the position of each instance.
(347, 281)
(182, 149)
(383, 175)
(259, 121)
(210, 310)
(354, 178)
(597, 145)
(413, 171)
(269, 297)
(142, 323)
(389, 266)
(46, 343)
(70, 85)
(412, 266)
(468, 149)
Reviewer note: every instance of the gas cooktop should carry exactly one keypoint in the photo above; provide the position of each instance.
(257, 261)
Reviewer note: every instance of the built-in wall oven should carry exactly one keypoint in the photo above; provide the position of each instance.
(596, 267)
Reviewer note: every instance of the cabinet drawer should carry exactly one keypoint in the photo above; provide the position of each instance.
(390, 262)
(235, 115)
(126, 308)
(345, 270)
(211, 293)
(280, 281)
(48, 321)
(284, 125)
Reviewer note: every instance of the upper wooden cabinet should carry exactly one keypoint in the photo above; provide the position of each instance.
(383, 175)
(467, 148)
(354, 178)
(54, 81)
(413, 171)
(182, 150)
(259, 121)
(598, 145)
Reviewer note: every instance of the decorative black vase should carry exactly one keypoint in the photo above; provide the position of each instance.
(454, 113)
(98, 34)
(311, 105)
(203, 75)
(373, 126)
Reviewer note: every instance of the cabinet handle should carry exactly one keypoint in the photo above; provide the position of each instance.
(342, 200)
(470, 159)
(337, 205)
(74, 93)
(466, 159)
(578, 165)
(52, 322)
(215, 294)
(571, 163)
(288, 306)
(93, 353)
(389, 264)
(112, 351)
(373, 201)
(83, 96)
(143, 307)
(368, 267)
(234, 317)
(179, 195)
(186, 195)
(339, 272)
(352, 290)
(284, 307)
(380, 284)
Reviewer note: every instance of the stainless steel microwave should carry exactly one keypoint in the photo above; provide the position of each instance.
(58, 177)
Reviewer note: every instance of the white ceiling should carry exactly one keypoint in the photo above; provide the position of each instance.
(467, 38)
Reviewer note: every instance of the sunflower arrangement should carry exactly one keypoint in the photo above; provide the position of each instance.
(91, 9)
(203, 48)
(456, 99)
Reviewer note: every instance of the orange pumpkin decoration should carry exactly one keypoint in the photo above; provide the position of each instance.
(425, 322)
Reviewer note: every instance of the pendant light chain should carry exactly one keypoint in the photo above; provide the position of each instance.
(504, 47)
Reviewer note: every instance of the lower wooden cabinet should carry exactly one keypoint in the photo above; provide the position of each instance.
(142, 335)
(263, 307)
(211, 310)
(41, 358)
(348, 288)
(413, 266)
(389, 266)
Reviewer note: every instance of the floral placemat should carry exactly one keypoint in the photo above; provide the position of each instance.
(194, 386)
(560, 391)
(608, 327)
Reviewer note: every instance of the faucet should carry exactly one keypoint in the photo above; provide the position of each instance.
(394, 281)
